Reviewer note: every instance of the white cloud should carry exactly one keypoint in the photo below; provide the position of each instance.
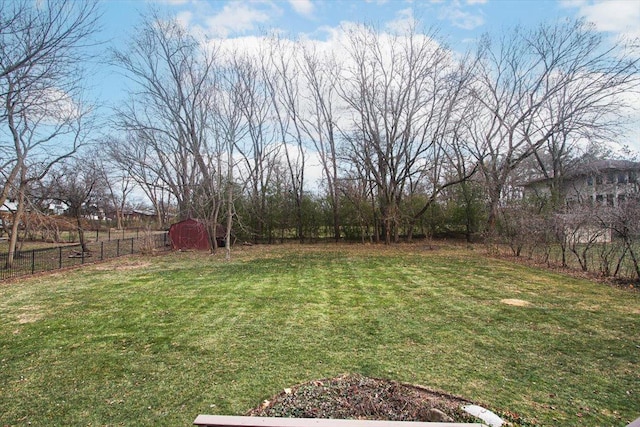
(460, 18)
(54, 106)
(621, 19)
(236, 17)
(403, 22)
(302, 7)
(615, 16)
(184, 18)
(631, 132)
(476, 1)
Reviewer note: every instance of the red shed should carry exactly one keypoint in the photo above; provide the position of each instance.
(192, 234)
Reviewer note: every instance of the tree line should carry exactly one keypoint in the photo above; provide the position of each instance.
(410, 136)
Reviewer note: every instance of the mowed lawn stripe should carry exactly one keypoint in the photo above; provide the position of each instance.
(160, 340)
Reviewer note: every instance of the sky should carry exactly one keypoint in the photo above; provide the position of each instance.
(459, 22)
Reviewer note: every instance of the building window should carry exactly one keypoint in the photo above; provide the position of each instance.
(633, 177)
(611, 178)
(599, 179)
(609, 199)
(621, 198)
(622, 178)
(589, 180)
(599, 199)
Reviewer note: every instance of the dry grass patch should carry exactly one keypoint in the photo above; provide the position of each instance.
(516, 302)
(30, 314)
(123, 265)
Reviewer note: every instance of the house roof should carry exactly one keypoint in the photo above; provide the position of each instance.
(606, 165)
(9, 206)
(144, 212)
(595, 167)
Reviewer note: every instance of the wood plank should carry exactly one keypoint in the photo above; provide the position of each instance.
(238, 421)
(635, 423)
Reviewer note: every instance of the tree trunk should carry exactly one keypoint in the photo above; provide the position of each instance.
(119, 214)
(83, 243)
(13, 239)
(410, 228)
(336, 220)
(632, 253)
(227, 239)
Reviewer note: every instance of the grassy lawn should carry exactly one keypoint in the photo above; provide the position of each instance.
(156, 341)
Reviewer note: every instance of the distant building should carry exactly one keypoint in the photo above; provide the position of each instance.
(58, 208)
(603, 183)
(138, 215)
(9, 207)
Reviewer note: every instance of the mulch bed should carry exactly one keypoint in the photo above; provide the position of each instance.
(359, 397)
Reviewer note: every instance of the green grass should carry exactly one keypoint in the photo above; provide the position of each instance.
(157, 341)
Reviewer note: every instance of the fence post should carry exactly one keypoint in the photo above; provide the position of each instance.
(118, 248)
(101, 251)
(132, 239)
(59, 257)
(33, 261)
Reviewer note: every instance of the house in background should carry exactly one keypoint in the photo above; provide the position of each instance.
(6, 214)
(138, 216)
(9, 207)
(57, 208)
(602, 182)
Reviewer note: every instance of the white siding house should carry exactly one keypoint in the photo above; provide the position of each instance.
(604, 182)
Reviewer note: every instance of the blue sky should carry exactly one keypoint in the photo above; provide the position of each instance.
(460, 19)
(460, 22)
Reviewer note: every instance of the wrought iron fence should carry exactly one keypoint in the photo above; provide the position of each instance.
(49, 259)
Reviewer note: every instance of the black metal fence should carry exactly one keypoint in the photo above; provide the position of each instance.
(49, 259)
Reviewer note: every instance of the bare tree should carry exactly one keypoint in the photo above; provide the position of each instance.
(77, 184)
(583, 234)
(404, 93)
(624, 220)
(171, 114)
(230, 125)
(118, 185)
(43, 118)
(258, 150)
(320, 73)
(283, 78)
(532, 86)
(135, 159)
(41, 49)
(43, 36)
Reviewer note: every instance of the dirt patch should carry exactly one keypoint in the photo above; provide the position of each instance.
(358, 397)
(515, 302)
(124, 265)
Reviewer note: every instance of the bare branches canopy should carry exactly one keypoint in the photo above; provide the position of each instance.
(43, 119)
(371, 136)
(392, 120)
